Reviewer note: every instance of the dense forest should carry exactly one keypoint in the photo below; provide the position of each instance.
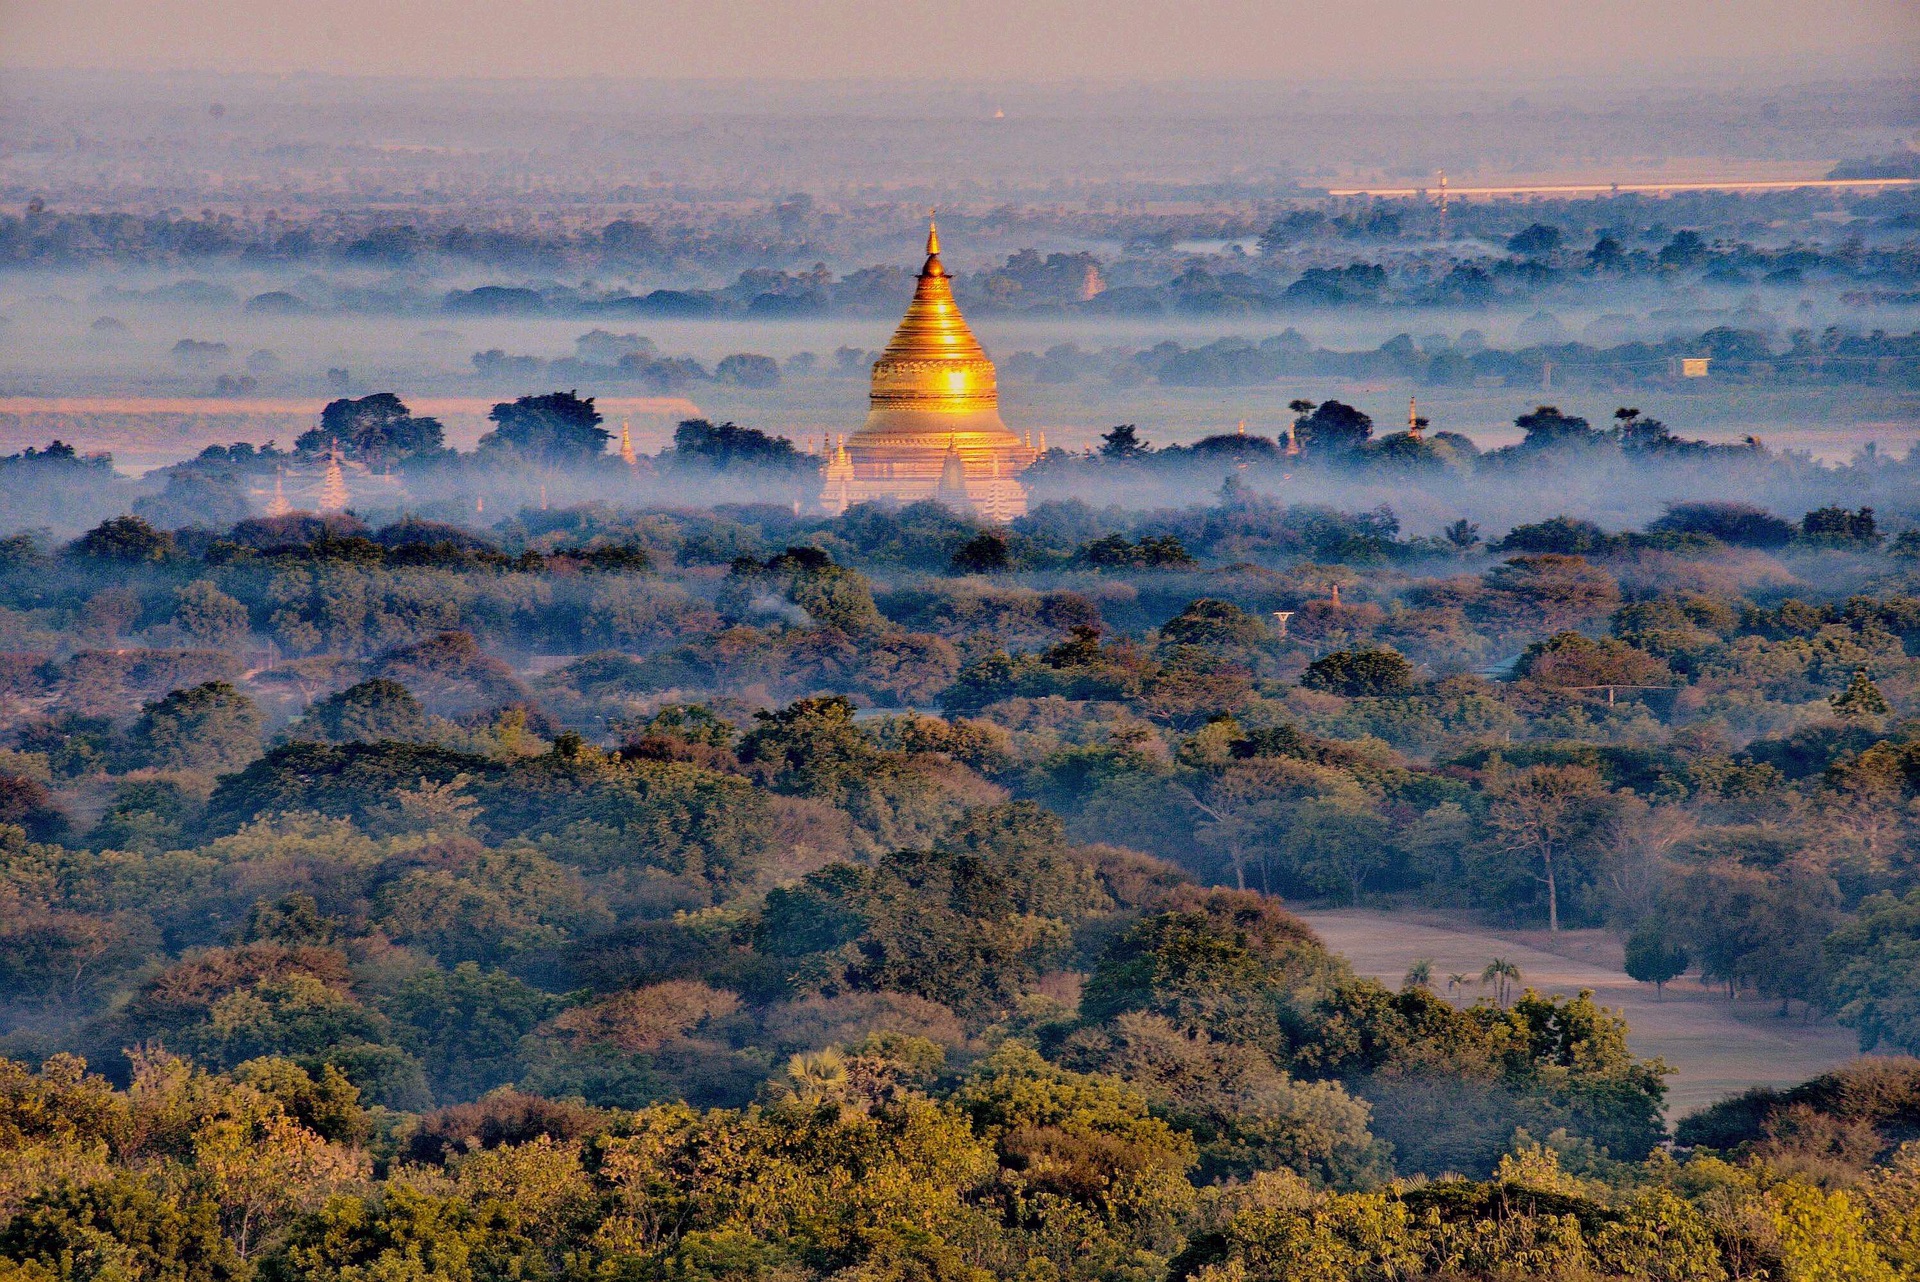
(685, 893)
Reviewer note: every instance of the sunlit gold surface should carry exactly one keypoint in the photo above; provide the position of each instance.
(933, 388)
(934, 362)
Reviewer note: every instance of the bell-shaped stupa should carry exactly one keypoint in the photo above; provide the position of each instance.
(933, 393)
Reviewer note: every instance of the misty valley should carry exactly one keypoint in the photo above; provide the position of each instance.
(505, 776)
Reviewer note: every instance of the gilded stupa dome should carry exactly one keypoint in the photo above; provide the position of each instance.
(934, 363)
(933, 424)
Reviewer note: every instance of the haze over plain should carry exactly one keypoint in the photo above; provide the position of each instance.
(973, 39)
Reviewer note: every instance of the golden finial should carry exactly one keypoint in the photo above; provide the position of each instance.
(933, 235)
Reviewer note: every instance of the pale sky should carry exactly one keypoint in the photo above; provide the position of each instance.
(1304, 40)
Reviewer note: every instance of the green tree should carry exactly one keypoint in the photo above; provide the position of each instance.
(1339, 844)
(1569, 659)
(1079, 1141)
(1245, 1115)
(1757, 926)
(1360, 674)
(804, 588)
(123, 1227)
(1654, 956)
(1220, 961)
(205, 727)
(1838, 527)
(559, 428)
(1535, 241)
(811, 745)
(1211, 622)
(377, 430)
(985, 553)
(371, 711)
(295, 1015)
(1549, 815)
(1123, 442)
(1861, 700)
(745, 369)
(1549, 592)
(26, 803)
(1463, 535)
(207, 616)
(1331, 428)
(1547, 428)
(324, 1102)
(465, 1025)
(490, 906)
(701, 444)
(126, 540)
(1874, 962)
(293, 920)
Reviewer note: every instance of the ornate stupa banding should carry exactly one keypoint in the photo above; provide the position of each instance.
(933, 392)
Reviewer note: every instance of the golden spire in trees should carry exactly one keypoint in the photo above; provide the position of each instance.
(932, 409)
(333, 490)
(278, 505)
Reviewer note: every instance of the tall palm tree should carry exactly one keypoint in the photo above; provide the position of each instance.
(1504, 976)
(1458, 983)
(1419, 975)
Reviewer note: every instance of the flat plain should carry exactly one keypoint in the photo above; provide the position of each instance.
(1715, 1047)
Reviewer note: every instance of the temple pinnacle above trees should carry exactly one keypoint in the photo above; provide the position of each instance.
(933, 394)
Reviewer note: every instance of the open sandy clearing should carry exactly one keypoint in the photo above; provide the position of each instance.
(1716, 1048)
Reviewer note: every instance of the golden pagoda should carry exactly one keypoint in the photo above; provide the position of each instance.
(933, 420)
(333, 489)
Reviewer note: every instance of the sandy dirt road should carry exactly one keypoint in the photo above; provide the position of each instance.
(1716, 1048)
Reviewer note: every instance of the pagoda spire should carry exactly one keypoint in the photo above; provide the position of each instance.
(951, 492)
(933, 359)
(333, 488)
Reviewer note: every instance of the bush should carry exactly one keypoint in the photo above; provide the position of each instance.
(1740, 524)
(1562, 534)
(1360, 674)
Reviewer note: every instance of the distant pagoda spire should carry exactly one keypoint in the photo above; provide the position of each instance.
(333, 490)
(952, 490)
(278, 505)
(626, 445)
(836, 492)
